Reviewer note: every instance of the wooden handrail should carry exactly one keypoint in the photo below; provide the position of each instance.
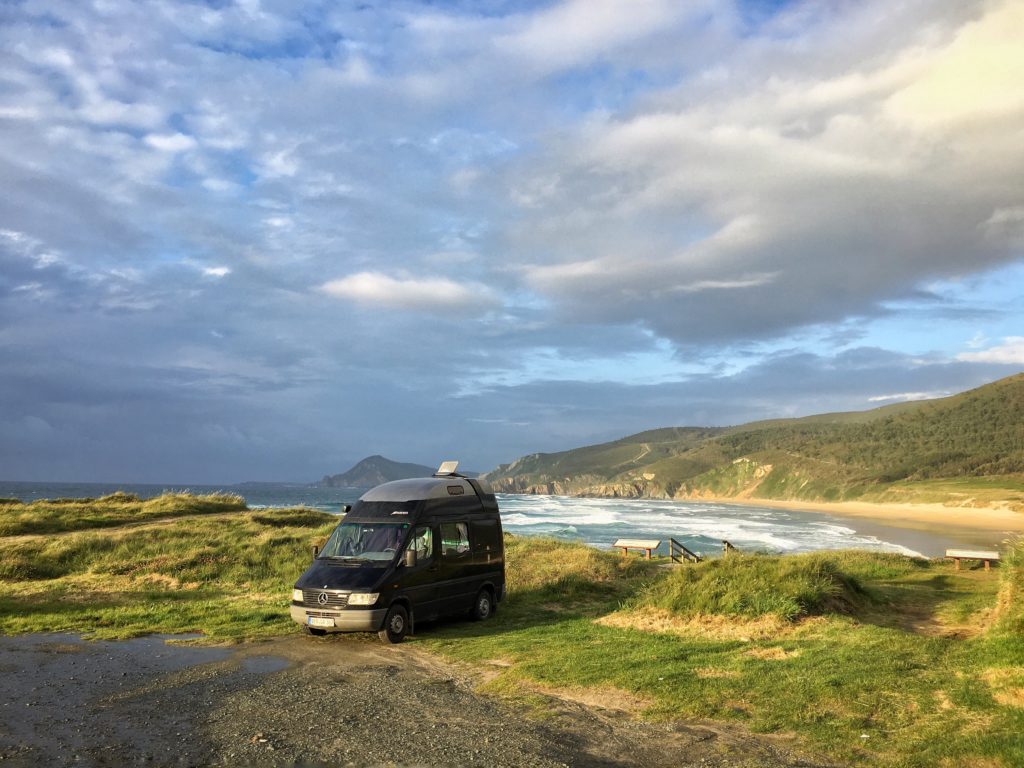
(677, 553)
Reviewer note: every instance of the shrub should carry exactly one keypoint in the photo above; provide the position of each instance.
(788, 587)
(118, 497)
(299, 517)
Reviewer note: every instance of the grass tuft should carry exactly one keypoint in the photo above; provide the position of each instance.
(788, 587)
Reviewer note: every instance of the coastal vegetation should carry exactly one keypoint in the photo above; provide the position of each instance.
(966, 449)
(59, 515)
(858, 657)
(227, 576)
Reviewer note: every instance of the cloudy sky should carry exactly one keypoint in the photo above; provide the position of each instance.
(260, 240)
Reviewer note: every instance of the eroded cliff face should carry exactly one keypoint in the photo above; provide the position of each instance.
(595, 488)
(740, 480)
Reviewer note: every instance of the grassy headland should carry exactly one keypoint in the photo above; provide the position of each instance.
(58, 515)
(228, 576)
(965, 450)
(861, 657)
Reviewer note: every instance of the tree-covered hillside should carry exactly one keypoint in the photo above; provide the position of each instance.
(975, 434)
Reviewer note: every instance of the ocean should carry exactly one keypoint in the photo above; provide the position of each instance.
(700, 526)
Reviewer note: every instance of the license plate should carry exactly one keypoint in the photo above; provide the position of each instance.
(316, 621)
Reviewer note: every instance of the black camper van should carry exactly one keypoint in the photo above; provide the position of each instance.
(408, 550)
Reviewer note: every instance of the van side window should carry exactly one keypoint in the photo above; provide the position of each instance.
(486, 535)
(423, 542)
(454, 539)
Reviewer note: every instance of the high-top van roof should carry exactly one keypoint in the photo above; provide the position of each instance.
(421, 488)
(440, 494)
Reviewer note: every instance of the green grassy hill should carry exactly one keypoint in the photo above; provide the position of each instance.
(900, 452)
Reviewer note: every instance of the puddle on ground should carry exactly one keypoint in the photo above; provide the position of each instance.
(264, 665)
(55, 682)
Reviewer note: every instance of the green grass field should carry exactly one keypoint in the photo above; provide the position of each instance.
(59, 515)
(862, 658)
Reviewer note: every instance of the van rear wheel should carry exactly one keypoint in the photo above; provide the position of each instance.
(396, 625)
(483, 606)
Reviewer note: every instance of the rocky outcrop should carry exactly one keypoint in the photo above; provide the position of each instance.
(588, 487)
(374, 470)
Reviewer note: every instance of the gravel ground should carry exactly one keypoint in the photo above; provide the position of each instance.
(301, 701)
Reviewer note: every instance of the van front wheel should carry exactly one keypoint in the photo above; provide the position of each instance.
(483, 606)
(396, 624)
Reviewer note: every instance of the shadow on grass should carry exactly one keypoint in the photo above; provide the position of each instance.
(564, 601)
(917, 606)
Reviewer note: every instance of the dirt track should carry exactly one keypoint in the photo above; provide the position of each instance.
(310, 702)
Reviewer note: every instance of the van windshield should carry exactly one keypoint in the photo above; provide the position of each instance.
(375, 542)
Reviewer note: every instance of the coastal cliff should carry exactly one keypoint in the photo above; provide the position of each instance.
(964, 450)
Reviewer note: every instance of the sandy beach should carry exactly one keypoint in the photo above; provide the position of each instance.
(925, 528)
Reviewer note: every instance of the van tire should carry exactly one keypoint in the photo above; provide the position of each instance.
(483, 605)
(396, 625)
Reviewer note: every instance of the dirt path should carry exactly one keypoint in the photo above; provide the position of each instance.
(311, 701)
(645, 449)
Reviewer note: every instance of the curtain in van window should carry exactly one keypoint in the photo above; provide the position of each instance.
(454, 539)
(423, 542)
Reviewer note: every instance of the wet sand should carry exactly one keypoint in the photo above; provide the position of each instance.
(925, 528)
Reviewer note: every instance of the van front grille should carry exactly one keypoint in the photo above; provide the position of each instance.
(333, 600)
(320, 614)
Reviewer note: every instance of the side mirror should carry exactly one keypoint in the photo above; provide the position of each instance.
(346, 508)
(410, 558)
(316, 551)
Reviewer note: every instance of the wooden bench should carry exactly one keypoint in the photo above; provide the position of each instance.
(646, 544)
(985, 556)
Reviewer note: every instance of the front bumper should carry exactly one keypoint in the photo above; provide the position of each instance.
(346, 620)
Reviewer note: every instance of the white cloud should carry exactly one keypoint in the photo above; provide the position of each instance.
(975, 78)
(431, 294)
(216, 271)
(803, 168)
(747, 281)
(977, 341)
(576, 31)
(1010, 352)
(1006, 226)
(903, 397)
(170, 142)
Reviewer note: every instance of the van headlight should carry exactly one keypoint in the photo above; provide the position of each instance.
(363, 598)
(296, 595)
